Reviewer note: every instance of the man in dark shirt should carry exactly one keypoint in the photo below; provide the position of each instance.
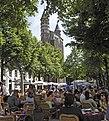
(70, 109)
(13, 101)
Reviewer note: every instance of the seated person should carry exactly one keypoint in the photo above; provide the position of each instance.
(82, 95)
(22, 101)
(30, 93)
(31, 90)
(30, 98)
(58, 98)
(13, 101)
(88, 98)
(50, 99)
(77, 102)
(70, 109)
(102, 103)
(4, 91)
(1, 106)
(44, 94)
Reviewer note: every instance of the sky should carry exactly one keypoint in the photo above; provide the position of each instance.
(35, 28)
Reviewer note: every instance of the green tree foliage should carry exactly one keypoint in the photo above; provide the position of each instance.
(10, 44)
(51, 60)
(93, 64)
(13, 19)
(86, 21)
(73, 65)
(18, 48)
(14, 13)
(25, 54)
(96, 66)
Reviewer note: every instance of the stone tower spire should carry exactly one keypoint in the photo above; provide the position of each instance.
(45, 26)
(57, 30)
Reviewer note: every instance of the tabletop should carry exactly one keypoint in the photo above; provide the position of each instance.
(94, 116)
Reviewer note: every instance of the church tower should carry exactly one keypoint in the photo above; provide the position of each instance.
(57, 30)
(52, 37)
(45, 27)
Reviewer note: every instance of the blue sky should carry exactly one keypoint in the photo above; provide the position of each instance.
(35, 27)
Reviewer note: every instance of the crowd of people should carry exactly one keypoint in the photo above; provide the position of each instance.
(68, 101)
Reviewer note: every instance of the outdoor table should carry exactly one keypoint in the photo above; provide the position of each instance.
(90, 116)
(14, 114)
(94, 116)
(3, 116)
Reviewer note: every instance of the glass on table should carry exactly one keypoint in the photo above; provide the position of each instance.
(105, 119)
(2, 112)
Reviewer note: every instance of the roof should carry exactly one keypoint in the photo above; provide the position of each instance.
(57, 27)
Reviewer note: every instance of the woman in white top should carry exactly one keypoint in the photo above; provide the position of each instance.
(90, 99)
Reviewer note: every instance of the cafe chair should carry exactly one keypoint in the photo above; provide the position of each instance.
(28, 118)
(47, 114)
(7, 118)
(5, 105)
(29, 108)
(37, 99)
(24, 118)
(28, 105)
(87, 105)
(68, 117)
(18, 112)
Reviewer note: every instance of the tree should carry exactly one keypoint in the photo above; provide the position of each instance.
(14, 13)
(19, 52)
(94, 66)
(13, 20)
(51, 60)
(73, 65)
(26, 52)
(10, 46)
(87, 22)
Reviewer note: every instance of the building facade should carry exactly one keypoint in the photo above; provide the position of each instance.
(52, 37)
(12, 78)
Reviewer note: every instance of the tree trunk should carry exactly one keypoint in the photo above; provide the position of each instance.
(106, 71)
(2, 68)
(22, 82)
(100, 79)
(2, 63)
(39, 76)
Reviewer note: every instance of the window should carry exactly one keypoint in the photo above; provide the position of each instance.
(29, 76)
(4, 72)
(15, 73)
(10, 73)
(10, 81)
(24, 76)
